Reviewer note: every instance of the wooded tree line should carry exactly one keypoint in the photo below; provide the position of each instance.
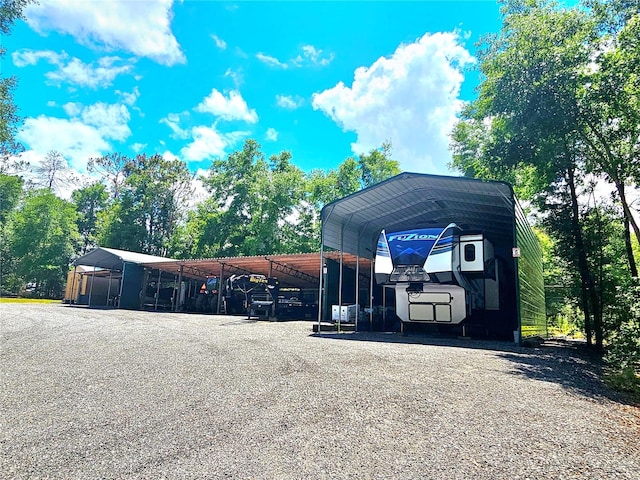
(252, 206)
(558, 115)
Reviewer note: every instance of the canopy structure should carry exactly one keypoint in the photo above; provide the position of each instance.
(297, 270)
(412, 200)
(112, 259)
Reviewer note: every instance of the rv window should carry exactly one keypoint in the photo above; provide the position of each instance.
(469, 252)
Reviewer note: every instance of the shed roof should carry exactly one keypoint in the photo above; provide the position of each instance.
(112, 258)
(413, 200)
(300, 270)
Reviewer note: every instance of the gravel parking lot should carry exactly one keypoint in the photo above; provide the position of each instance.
(117, 394)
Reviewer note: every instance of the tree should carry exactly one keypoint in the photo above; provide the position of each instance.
(377, 165)
(53, 171)
(609, 102)
(527, 119)
(149, 205)
(253, 206)
(111, 168)
(10, 193)
(89, 202)
(43, 240)
(10, 11)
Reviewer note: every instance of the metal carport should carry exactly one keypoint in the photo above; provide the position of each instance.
(127, 267)
(412, 200)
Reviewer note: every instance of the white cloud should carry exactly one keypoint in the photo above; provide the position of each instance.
(173, 122)
(208, 143)
(312, 56)
(271, 61)
(110, 120)
(410, 99)
(140, 27)
(25, 57)
(289, 102)
(232, 107)
(72, 109)
(272, 134)
(73, 70)
(138, 147)
(200, 192)
(168, 155)
(129, 98)
(87, 75)
(309, 56)
(86, 134)
(236, 76)
(74, 139)
(220, 43)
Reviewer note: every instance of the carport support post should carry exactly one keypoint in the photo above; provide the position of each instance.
(91, 286)
(158, 289)
(371, 297)
(357, 288)
(179, 293)
(124, 268)
(220, 289)
(109, 288)
(320, 291)
(340, 282)
(174, 296)
(73, 298)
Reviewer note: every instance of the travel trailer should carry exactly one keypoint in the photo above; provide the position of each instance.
(440, 275)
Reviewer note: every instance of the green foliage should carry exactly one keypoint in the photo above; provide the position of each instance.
(377, 166)
(43, 238)
(623, 350)
(148, 207)
(10, 193)
(89, 202)
(559, 100)
(258, 206)
(252, 206)
(10, 11)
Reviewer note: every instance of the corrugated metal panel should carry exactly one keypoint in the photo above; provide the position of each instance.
(533, 319)
(412, 200)
(112, 258)
(300, 270)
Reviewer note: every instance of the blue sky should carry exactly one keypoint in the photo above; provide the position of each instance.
(194, 79)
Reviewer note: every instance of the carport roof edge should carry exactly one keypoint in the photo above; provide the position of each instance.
(112, 258)
(416, 200)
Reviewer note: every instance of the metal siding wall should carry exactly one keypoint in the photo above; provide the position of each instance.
(131, 284)
(533, 319)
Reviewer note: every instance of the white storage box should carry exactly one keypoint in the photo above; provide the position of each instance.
(344, 314)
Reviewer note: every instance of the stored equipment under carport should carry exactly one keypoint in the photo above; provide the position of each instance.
(451, 253)
(440, 275)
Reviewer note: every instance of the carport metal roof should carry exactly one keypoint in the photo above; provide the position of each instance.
(413, 200)
(111, 258)
(299, 270)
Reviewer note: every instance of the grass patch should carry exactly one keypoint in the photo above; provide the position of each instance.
(27, 300)
(569, 332)
(627, 381)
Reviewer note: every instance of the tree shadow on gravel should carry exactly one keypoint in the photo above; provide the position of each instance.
(567, 363)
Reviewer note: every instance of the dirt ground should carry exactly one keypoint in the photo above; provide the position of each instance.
(88, 393)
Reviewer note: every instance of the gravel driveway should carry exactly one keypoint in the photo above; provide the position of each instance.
(116, 394)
